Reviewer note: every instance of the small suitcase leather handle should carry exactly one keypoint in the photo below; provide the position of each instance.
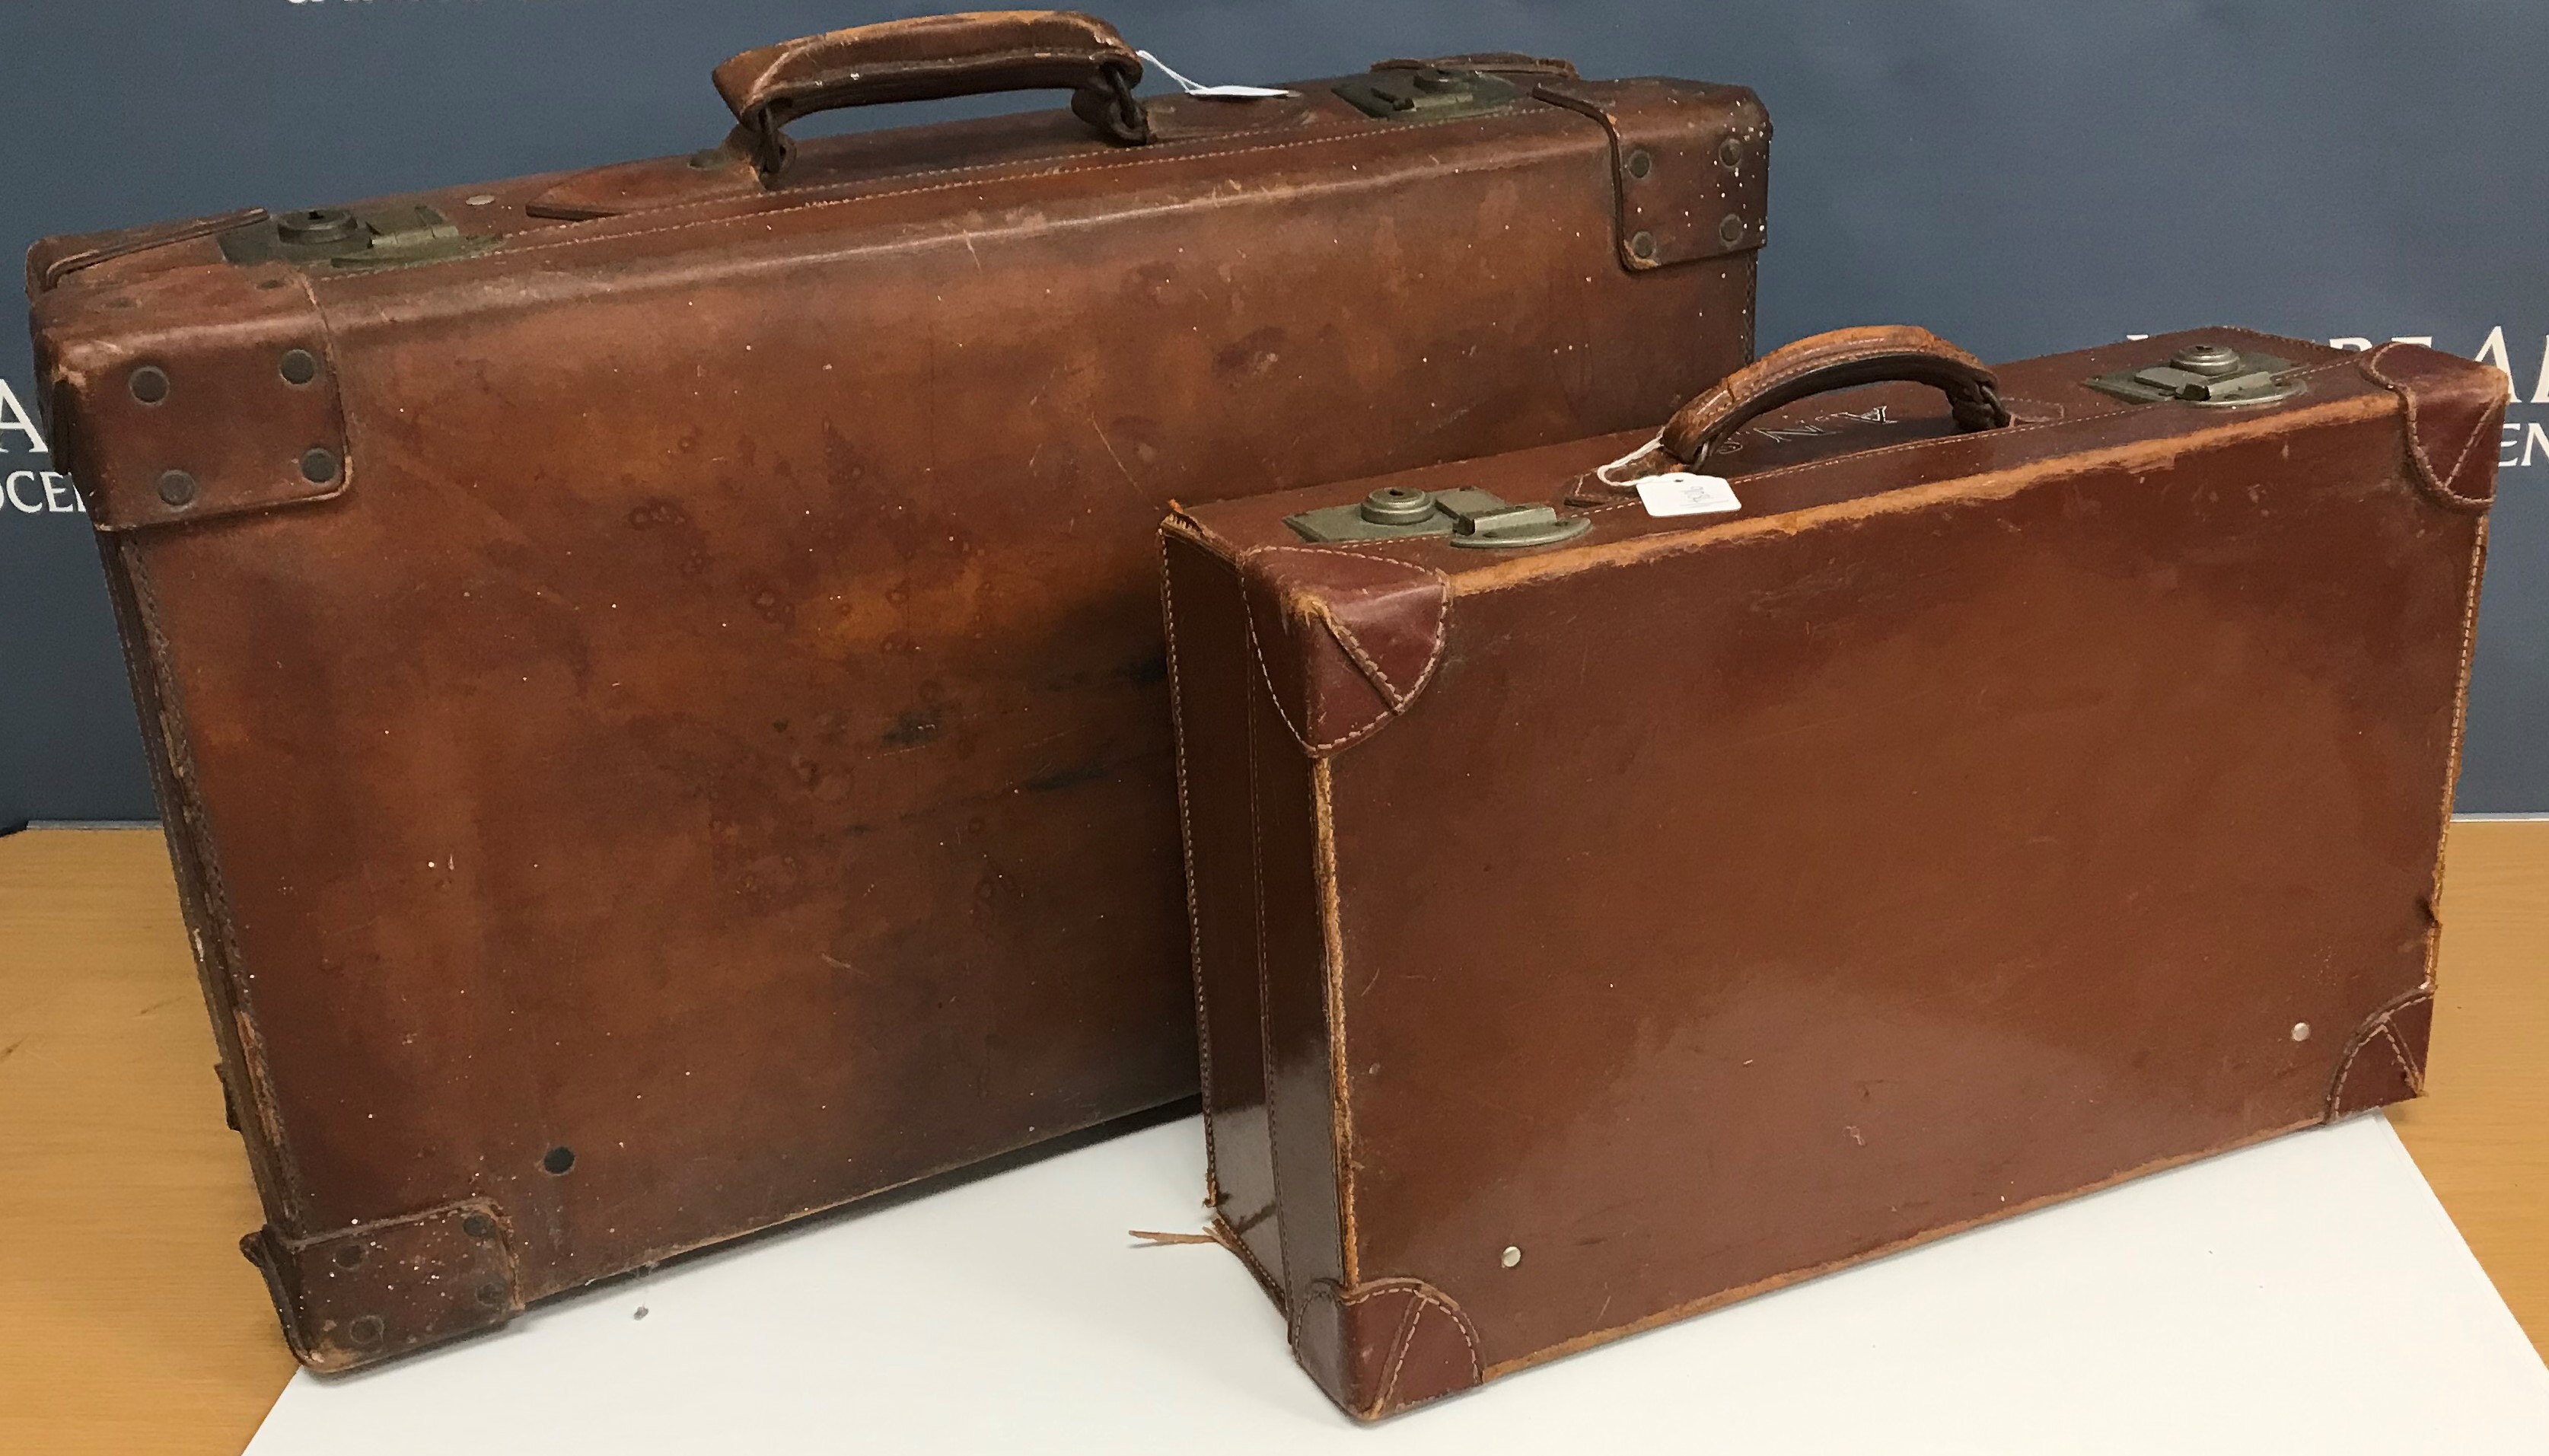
(921, 59)
(1841, 359)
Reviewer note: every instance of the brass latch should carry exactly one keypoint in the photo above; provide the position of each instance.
(2204, 374)
(1424, 92)
(395, 236)
(1471, 518)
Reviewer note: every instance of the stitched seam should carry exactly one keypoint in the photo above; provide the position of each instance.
(1425, 1294)
(1354, 649)
(818, 203)
(1195, 921)
(2452, 765)
(1398, 1347)
(2375, 1026)
(1230, 1238)
(1266, 1014)
(2417, 454)
(2399, 1053)
(1332, 996)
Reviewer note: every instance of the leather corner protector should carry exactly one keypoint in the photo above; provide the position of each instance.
(1401, 1342)
(2385, 1062)
(1691, 164)
(192, 395)
(377, 1289)
(1345, 642)
(2453, 408)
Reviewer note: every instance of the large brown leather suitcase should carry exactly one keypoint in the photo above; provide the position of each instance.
(655, 674)
(1961, 813)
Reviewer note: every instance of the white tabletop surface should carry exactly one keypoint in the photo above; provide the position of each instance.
(2307, 1295)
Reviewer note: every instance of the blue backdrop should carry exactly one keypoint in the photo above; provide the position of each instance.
(2020, 175)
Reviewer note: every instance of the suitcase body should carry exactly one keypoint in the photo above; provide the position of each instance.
(1593, 933)
(654, 673)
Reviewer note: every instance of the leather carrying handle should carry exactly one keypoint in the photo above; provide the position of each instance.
(1841, 359)
(965, 54)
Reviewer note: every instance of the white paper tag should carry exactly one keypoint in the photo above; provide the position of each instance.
(1219, 93)
(1681, 493)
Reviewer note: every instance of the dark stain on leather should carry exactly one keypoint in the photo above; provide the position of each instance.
(913, 728)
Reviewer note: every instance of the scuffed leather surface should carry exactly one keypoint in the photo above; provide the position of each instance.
(350, 1297)
(723, 729)
(919, 58)
(1966, 822)
(1707, 152)
(228, 418)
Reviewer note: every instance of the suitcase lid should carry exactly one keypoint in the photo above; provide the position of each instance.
(1354, 580)
(231, 295)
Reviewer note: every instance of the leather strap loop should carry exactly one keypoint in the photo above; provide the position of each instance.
(921, 59)
(1841, 359)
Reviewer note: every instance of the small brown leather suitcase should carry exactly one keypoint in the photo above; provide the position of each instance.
(655, 674)
(1602, 916)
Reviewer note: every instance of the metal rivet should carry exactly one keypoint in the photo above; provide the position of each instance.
(558, 1159)
(366, 1330)
(318, 466)
(491, 1295)
(1643, 245)
(177, 490)
(149, 384)
(1512, 1256)
(478, 1226)
(350, 1256)
(1641, 163)
(2300, 1030)
(298, 366)
(1731, 231)
(481, 200)
(1730, 153)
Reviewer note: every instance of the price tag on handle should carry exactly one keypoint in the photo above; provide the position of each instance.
(1221, 93)
(1681, 493)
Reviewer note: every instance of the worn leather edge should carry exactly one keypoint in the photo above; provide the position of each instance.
(2385, 1060)
(354, 1297)
(1405, 1342)
(228, 422)
(2452, 763)
(201, 896)
(2437, 393)
(1636, 212)
(1185, 849)
(1291, 590)
(51, 259)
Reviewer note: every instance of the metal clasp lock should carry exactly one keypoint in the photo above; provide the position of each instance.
(2209, 375)
(343, 238)
(1476, 518)
(1424, 92)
